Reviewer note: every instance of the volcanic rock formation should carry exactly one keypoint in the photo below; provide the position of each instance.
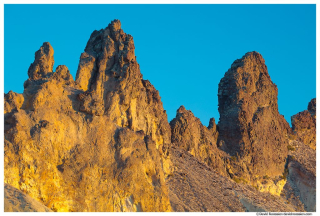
(304, 125)
(102, 142)
(99, 143)
(250, 126)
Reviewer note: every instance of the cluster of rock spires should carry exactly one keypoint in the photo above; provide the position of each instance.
(102, 142)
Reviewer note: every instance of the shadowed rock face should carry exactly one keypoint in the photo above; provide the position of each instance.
(189, 134)
(304, 125)
(250, 125)
(99, 143)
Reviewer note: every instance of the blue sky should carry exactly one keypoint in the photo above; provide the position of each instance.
(184, 50)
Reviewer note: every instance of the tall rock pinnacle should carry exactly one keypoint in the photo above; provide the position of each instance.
(110, 76)
(250, 124)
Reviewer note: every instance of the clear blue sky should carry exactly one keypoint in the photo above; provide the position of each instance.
(184, 50)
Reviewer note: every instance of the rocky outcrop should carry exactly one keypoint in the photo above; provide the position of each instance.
(250, 126)
(304, 125)
(16, 201)
(99, 143)
(189, 134)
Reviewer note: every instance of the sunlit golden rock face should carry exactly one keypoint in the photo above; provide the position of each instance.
(99, 143)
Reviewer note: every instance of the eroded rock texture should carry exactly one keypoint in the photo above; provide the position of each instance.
(99, 143)
(189, 134)
(250, 126)
(304, 125)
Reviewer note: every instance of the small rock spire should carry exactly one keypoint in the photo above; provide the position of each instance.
(212, 124)
(43, 62)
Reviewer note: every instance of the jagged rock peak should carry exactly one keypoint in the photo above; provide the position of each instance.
(43, 62)
(109, 51)
(188, 133)
(250, 124)
(111, 83)
(115, 25)
(181, 109)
